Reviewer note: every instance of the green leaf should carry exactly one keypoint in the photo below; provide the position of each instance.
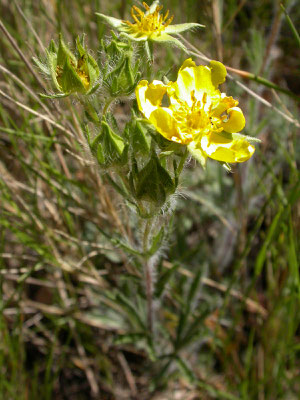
(130, 309)
(157, 241)
(164, 279)
(133, 338)
(185, 369)
(185, 312)
(268, 240)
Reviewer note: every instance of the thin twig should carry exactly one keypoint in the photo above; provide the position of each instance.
(20, 53)
(42, 116)
(128, 374)
(30, 26)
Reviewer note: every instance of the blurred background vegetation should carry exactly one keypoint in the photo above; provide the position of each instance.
(72, 321)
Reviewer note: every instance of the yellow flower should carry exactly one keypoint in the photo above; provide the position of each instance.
(198, 114)
(150, 25)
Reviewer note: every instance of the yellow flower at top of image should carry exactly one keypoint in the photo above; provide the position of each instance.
(150, 25)
(197, 114)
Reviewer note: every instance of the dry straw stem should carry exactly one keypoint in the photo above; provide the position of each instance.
(42, 116)
(21, 54)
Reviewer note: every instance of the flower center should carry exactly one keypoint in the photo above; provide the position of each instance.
(148, 23)
(194, 120)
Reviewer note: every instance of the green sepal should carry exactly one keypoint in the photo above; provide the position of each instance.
(112, 143)
(87, 64)
(52, 64)
(197, 153)
(93, 89)
(164, 37)
(43, 67)
(114, 22)
(124, 155)
(226, 166)
(93, 70)
(52, 47)
(79, 45)
(100, 154)
(154, 183)
(138, 137)
(64, 53)
(91, 112)
(70, 80)
(53, 96)
(239, 136)
(178, 28)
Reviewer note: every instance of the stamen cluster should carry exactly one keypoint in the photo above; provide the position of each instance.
(149, 22)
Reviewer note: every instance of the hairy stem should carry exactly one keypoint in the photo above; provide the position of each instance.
(148, 277)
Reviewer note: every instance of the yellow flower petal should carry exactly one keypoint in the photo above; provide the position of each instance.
(187, 63)
(224, 103)
(199, 115)
(163, 120)
(227, 150)
(218, 73)
(197, 79)
(236, 121)
(149, 96)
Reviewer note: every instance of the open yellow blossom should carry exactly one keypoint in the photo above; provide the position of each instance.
(150, 24)
(198, 114)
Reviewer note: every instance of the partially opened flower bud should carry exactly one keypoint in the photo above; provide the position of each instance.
(70, 73)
